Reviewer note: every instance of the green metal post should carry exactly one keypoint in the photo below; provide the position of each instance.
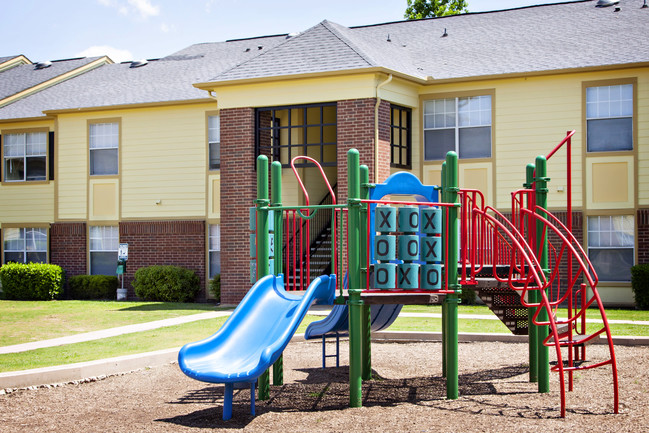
(276, 200)
(542, 249)
(366, 314)
(263, 266)
(532, 296)
(451, 261)
(354, 271)
(444, 309)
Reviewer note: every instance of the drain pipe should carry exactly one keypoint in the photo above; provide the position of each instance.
(376, 128)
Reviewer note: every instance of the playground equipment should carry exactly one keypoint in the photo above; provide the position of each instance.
(405, 244)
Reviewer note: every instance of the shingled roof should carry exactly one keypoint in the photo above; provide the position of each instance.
(23, 77)
(163, 80)
(532, 39)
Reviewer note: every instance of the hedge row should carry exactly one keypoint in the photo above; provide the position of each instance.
(640, 286)
(93, 287)
(166, 284)
(34, 281)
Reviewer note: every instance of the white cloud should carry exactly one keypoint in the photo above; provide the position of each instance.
(115, 54)
(208, 6)
(144, 8)
(166, 28)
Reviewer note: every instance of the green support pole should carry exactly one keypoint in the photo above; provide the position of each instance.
(543, 331)
(452, 300)
(354, 271)
(263, 266)
(532, 296)
(276, 200)
(366, 313)
(444, 309)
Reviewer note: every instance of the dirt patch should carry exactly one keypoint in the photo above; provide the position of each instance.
(407, 393)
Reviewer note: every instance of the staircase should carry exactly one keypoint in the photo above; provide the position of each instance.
(504, 302)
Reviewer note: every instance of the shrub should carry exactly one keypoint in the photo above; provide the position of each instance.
(468, 296)
(93, 286)
(34, 281)
(166, 284)
(640, 285)
(215, 287)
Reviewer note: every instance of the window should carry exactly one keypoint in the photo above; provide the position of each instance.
(104, 242)
(104, 146)
(286, 132)
(609, 118)
(214, 141)
(459, 124)
(610, 246)
(215, 249)
(25, 156)
(25, 245)
(400, 138)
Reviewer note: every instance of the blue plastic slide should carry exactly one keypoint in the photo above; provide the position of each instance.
(254, 336)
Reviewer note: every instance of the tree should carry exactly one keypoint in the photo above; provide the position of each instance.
(418, 9)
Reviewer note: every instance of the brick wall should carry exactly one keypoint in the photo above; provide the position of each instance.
(356, 122)
(68, 247)
(238, 192)
(179, 243)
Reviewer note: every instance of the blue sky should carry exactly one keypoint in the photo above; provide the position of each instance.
(136, 29)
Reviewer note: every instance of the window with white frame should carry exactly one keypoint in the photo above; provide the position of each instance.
(104, 148)
(611, 241)
(214, 141)
(25, 245)
(25, 156)
(459, 124)
(214, 248)
(609, 118)
(104, 243)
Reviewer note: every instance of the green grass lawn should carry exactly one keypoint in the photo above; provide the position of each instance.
(127, 344)
(27, 321)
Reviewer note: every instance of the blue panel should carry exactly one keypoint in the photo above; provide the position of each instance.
(385, 247)
(431, 277)
(431, 221)
(408, 276)
(384, 276)
(431, 249)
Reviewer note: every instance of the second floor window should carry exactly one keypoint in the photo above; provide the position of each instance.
(25, 156)
(214, 141)
(459, 124)
(104, 148)
(609, 118)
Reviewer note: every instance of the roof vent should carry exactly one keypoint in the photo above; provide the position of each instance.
(644, 5)
(138, 63)
(43, 65)
(260, 47)
(388, 39)
(606, 3)
(445, 33)
(292, 35)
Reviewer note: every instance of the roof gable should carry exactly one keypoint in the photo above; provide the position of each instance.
(323, 47)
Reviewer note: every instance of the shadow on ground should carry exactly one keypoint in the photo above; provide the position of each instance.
(328, 389)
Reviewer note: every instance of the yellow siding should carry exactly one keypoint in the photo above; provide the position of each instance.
(163, 162)
(214, 205)
(643, 137)
(533, 124)
(104, 200)
(610, 182)
(26, 201)
(72, 167)
(299, 91)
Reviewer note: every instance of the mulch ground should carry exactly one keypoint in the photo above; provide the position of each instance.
(407, 393)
